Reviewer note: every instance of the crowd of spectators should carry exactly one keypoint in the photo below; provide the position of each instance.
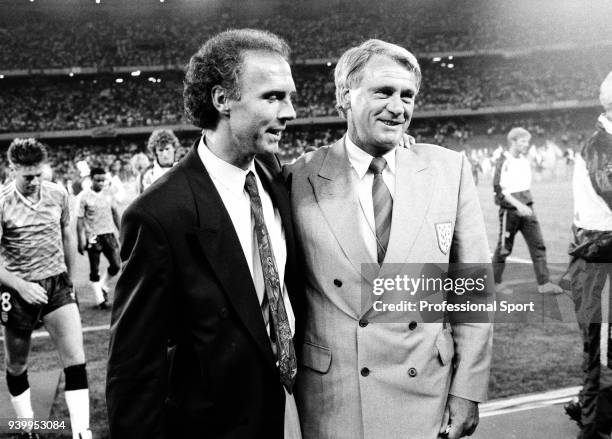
(91, 36)
(47, 104)
(74, 103)
(564, 128)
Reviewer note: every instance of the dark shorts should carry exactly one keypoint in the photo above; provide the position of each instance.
(107, 245)
(17, 314)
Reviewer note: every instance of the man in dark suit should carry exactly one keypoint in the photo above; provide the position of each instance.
(209, 264)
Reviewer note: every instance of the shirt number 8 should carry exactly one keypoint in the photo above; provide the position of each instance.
(5, 300)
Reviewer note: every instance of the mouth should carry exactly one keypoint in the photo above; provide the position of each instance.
(391, 123)
(276, 133)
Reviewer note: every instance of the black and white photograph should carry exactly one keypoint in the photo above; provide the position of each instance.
(307, 219)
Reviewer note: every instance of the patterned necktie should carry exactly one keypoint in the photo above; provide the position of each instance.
(383, 207)
(285, 352)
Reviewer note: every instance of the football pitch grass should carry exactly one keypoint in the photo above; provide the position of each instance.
(527, 356)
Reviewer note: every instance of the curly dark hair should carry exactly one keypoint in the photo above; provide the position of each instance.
(162, 137)
(219, 62)
(26, 152)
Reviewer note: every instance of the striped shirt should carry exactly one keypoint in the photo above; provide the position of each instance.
(31, 245)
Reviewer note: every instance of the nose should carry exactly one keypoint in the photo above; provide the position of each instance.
(286, 111)
(395, 105)
(35, 181)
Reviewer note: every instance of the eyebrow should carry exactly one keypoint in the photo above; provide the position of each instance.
(281, 92)
(269, 93)
(384, 89)
(390, 90)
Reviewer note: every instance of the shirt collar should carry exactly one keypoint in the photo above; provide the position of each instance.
(157, 167)
(226, 174)
(23, 198)
(606, 123)
(360, 160)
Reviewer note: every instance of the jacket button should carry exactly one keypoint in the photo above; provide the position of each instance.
(338, 283)
(223, 312)
(412, 372)
(363, 323)
(412, 326)
(365, 372)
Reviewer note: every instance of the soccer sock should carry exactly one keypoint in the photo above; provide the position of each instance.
(22, 404)
(17, 384)
(19, 389)
(77, 399)
(98, 294)
(106, 278)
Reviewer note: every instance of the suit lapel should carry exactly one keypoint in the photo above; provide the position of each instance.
(219, 243)
(413, 189)
(335, 191)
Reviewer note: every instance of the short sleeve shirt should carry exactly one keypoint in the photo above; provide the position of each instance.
(96, 209)
(31, 243)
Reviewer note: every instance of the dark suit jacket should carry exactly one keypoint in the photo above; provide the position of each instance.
(185, 283)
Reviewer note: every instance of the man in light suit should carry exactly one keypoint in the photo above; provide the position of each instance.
(209, 264)
(374, 197)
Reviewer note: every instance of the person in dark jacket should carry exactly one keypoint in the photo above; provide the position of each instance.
(591, 269)
(512, 186)
(209, 264)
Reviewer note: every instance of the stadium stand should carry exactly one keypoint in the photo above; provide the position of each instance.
(107, 35)
(95, 80)
(43, 103)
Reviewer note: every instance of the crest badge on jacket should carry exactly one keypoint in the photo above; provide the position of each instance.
(444, 233)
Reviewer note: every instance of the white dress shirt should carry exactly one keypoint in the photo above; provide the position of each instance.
(229, 182)
(360, 162)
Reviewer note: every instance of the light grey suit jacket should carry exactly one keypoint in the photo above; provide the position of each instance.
(411, 366)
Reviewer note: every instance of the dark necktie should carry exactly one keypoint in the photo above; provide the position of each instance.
(280, 329)
(383, 207)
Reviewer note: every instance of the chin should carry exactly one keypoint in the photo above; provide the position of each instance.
(389, 142)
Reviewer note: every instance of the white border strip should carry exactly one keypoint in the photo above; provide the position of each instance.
(604, 332)
(553, 266)
(528, 402)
